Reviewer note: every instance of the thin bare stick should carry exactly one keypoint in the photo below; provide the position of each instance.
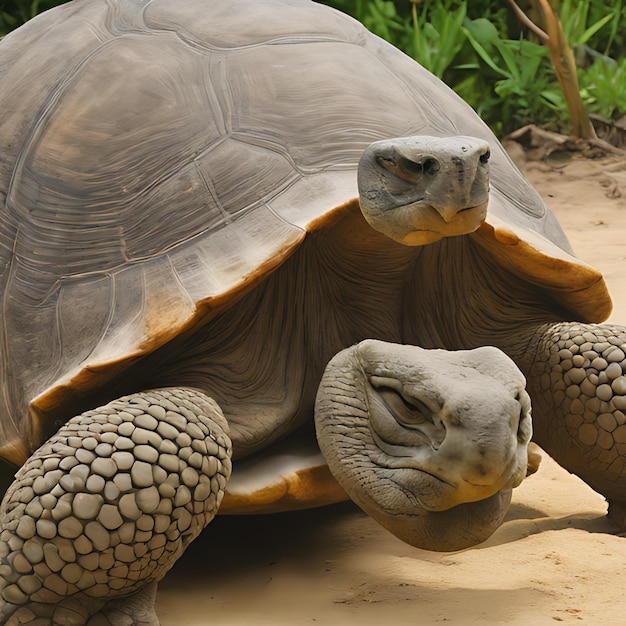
(526, 21)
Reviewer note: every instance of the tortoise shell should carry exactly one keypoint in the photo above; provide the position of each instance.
(158, 160)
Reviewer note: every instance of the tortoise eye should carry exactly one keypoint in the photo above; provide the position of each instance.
(407, 413)
(385, 161)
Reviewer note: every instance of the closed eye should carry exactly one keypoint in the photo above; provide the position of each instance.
(408, 413)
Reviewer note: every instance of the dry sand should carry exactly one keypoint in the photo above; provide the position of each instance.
(555, 559)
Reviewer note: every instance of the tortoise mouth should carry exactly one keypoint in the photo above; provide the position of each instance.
(481, 206)
(420, 223)
(435, 224)
(423, 488)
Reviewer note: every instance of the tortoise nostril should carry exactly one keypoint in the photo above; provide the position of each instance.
(431, 166)
(411, 168)
(484, 157)
(407, 166)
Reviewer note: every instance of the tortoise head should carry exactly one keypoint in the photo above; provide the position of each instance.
(427, 442)
(418, 190)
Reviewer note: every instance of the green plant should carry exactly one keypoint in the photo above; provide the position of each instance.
(427, 30)
(508, 81)
(610, 41)
(14, 13)
(437, 36)
(517, 85)
(581, 24)
(603, 87)
(562, 56)
(381, 17)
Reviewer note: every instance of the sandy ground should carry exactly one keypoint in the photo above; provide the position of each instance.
(555, 559)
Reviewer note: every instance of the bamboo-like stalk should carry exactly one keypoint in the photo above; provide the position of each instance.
(564, 64)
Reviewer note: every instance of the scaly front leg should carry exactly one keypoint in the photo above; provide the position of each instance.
(577, 382)
(102, 510)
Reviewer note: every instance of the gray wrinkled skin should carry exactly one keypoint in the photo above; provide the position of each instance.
(408, 433)
(109, 503)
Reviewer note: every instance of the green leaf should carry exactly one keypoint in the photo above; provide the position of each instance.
(483, 54)
(592, 30)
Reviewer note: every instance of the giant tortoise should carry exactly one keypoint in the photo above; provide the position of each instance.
(215, 212)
